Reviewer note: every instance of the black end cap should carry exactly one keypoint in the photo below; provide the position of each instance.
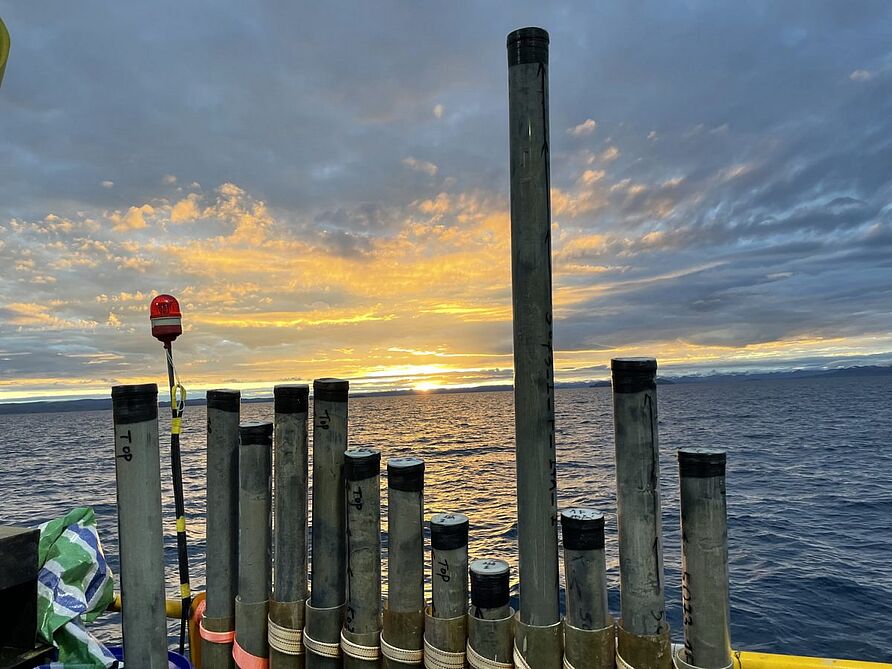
(489, 583)
(701, 463)
(224, 399)
(582, 529)
(528, 45)
(449, 531)
(330, 390)
(134, 404)
(255, 432)
(361, 464)
(406, 474)
(633, 375)
(292, 398)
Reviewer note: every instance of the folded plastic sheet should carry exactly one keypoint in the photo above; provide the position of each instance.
(74, 586)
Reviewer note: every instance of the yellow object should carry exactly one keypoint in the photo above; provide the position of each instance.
(746, 660)
(184, 591)
(178, 403)
(173, 608)
(4, 48)
(175, 424)
(181, 524)
(194, 634)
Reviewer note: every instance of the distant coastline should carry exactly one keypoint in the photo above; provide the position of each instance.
(53, 406)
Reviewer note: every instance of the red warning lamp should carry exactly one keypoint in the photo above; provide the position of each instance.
(167, 321)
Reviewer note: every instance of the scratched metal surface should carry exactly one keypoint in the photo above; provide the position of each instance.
(809, 490)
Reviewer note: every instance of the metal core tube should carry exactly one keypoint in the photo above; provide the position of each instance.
(638, 495)
(449, 565)
(533, 352)
(329, 443)
(290, 453)
(222, 522)
(585, 569)
(490, 589)
(138, 479)
(362, 619)
(404, 615)
(255, 500)
(704, 557)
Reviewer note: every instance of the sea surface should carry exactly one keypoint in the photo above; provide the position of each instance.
(809, 490)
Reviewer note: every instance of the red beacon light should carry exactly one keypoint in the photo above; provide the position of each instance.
(167, 321)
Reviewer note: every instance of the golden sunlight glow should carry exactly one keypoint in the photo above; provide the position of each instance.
(427, 306)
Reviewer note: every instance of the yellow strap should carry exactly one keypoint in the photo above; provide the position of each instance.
(175, 425)
(181, 524)
(185, 591)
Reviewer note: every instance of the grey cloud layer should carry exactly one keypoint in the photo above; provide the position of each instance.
(753, 169)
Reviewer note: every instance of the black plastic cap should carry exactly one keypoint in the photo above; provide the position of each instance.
(701, 463)
(134, 404)
(292, 398)
(224, 399)
(330, 390)
(361, 464)
(633, 375)
(582, 529)
(449, 531)
(527, 45)
(255, 432)
(406, 474)
(489, 583)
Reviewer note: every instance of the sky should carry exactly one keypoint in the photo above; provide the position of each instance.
(324, 186)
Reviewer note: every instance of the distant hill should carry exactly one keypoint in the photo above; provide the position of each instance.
(846, 372)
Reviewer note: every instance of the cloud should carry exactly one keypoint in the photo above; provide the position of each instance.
(420, 166)
(107, 184)
(439, 110)
(860, 75)
(610, 154)
(185, 210)
(587, 127)
(589, 177)
(132, 219)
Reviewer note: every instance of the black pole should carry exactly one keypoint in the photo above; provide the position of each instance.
(179, 505)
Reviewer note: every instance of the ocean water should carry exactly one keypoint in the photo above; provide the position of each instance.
(809, 490)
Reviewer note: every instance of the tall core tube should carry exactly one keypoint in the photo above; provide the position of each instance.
(325, 608)
(638, 495)
(643, 633)
(138, 478)
(254, 542)
(222, 524)
(290, 452)
(533, 353)
(704, 557)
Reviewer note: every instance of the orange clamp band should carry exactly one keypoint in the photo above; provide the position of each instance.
(208, 635)
(244, 659)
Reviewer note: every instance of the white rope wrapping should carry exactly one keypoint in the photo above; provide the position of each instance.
(519, 660)
(321, 648)
(358, 652)
(436, 658)
(404, 655)
(621, 663)
(284, 639)
(567, 664)
(477, 661)
(680, 663)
